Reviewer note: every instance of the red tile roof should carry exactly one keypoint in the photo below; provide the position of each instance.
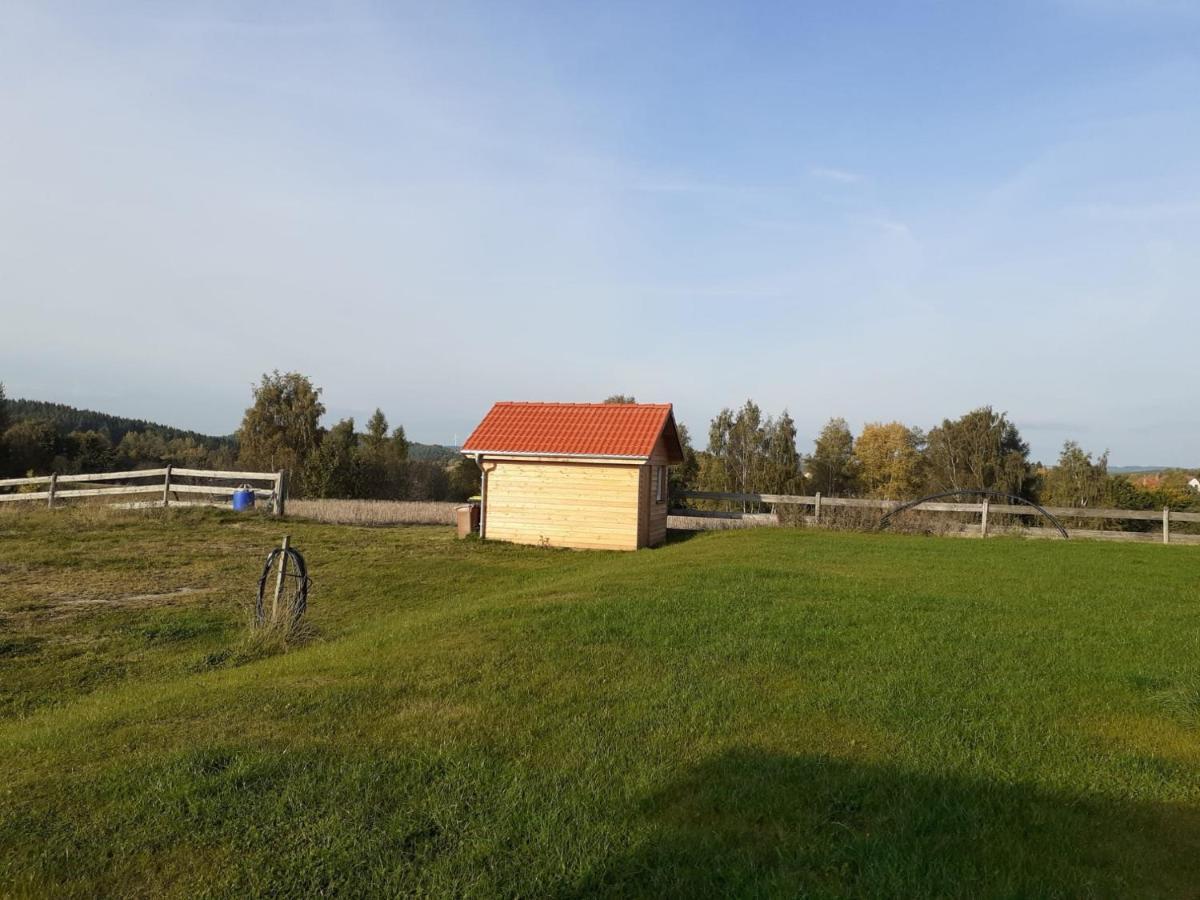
(575, 429)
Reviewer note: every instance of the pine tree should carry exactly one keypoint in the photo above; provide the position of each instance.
(333, 470)
(4, 423)
(383, 471)
(376, 433)
(399, 444)
(832, 461)
(783, 473)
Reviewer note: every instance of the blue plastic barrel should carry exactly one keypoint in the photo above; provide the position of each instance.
(243, 498)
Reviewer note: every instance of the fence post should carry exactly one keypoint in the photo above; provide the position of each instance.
(278, 502)
(283, 561)
(53, 485)
(167, 487)
(817, 507)
(1166, 524)
(983, 519)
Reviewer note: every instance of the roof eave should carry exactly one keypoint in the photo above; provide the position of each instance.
(674, 445)
(507, 454)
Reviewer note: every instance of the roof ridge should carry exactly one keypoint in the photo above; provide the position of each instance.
(604, 429)
(577, 403)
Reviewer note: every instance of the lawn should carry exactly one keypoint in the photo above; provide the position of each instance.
(771, 712)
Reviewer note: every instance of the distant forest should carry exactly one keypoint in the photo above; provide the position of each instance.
(747, 451)
(66, 419)
(38, 437)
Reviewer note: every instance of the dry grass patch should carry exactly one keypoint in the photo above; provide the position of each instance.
(704, 523)
(375, 512)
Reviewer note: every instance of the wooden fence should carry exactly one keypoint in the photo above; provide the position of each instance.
(985, 509)
(172, 486)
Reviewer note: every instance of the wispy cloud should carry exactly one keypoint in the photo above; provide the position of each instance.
(889, 226)
(1145, 213)
(841, 176)
(684, 187)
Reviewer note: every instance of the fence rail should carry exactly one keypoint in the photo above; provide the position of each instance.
(171, 491)
(984, 509)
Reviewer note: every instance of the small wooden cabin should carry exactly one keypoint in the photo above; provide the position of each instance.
(587, 475)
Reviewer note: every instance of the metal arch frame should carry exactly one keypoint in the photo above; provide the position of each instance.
(300, 573)
(974, 492)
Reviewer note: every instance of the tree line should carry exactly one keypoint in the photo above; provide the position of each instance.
(280, 430)
(749, 452)
(37, 438)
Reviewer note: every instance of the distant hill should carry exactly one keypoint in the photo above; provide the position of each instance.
(432, 452)
(1137, 470)
(66, 419)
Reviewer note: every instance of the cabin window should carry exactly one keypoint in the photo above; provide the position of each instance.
(660, 484)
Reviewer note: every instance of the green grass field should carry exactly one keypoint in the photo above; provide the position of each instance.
(774, 712)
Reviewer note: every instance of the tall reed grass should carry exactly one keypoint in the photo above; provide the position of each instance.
(374, 512)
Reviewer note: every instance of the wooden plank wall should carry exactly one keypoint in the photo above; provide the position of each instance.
(657, 511)
(643, 506)
(564, 504)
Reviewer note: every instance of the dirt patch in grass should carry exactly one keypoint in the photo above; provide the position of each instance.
(144, 599)
(20, 646)
(65, 605)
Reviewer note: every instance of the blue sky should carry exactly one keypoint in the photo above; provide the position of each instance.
(873, 210)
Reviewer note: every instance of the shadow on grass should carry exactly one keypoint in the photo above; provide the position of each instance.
(256, 644)
(754, 824)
